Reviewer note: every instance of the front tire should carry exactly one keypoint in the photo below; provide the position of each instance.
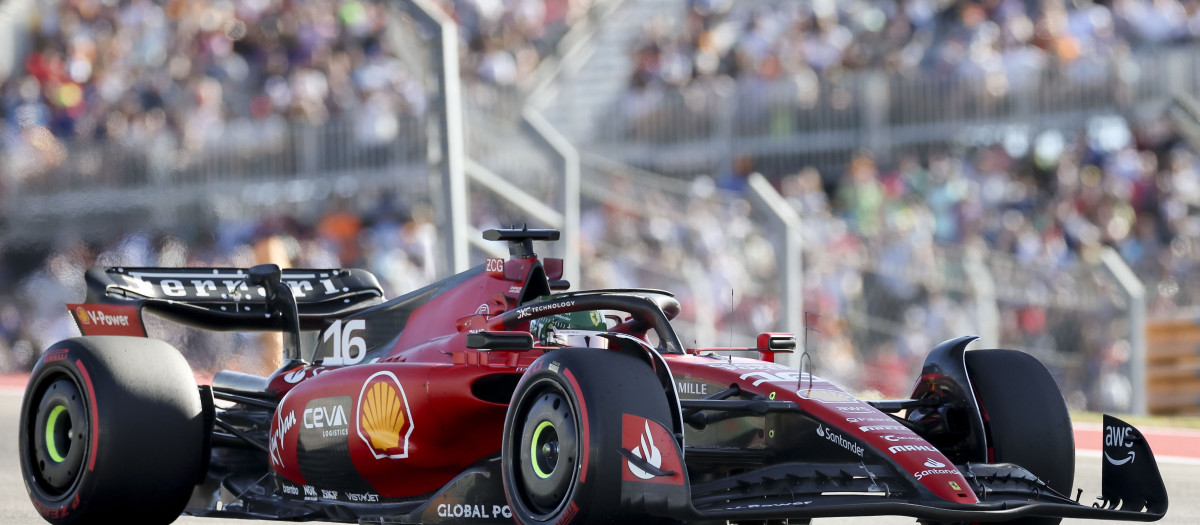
(1025, 418)
(111, 430)
(563, 432)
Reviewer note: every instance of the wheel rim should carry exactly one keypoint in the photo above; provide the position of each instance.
(58, 435)
(543, 450)
(58, 430)
(548, 451)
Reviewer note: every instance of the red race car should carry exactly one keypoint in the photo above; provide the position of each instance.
(497, 396)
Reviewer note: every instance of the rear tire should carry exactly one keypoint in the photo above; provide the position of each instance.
(563, 431)
(111, 431)
(1025, 417)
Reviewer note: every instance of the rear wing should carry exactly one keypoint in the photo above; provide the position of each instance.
(220, 298)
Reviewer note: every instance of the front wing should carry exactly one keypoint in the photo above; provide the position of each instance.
(1132, 490)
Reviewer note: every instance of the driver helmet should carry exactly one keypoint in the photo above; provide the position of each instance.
(570, 329)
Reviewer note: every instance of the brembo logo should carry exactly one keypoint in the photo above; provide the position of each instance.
(839, 440)
(101, 318)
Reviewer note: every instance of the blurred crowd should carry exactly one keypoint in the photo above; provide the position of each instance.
(185, 78)
(392, 236)
(786, 65)
(963, 38)
(181, 76)
(888, 242)
(1037, 219)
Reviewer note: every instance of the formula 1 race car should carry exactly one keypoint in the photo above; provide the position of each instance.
(496, 396)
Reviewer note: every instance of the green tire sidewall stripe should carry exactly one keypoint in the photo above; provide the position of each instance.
(51, 421)
(533, 449)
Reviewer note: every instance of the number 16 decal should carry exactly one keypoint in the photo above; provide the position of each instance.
(348, 349)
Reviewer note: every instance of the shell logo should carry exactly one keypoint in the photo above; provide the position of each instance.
(384, 419)
(83, 316)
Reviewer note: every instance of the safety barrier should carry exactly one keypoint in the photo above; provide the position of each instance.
(1173, 366)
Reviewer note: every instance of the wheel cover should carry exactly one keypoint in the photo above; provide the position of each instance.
(543, 451)
(548, 450)
(54, 433)
(58, 431)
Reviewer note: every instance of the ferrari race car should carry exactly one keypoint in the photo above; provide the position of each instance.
(496, 396)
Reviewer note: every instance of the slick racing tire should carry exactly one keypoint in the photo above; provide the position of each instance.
(561, 453)
(111, 431)
(1025, 418)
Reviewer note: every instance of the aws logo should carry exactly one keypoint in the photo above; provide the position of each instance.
(384, 419)
(1115, 437)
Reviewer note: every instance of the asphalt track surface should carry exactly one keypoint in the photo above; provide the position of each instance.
(1179, 464)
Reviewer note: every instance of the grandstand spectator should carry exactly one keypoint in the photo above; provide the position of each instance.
(1001, 45)
(134, 70)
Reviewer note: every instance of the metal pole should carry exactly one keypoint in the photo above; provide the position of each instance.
(790, 255)
(452, 212)
(569, 190)
(1136, 293)
(987, 310)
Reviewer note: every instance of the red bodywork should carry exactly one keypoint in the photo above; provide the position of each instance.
(428, 407)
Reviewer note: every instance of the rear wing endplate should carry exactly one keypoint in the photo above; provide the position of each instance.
(220, 298)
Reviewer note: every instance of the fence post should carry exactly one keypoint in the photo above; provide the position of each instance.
(724, 140)
(789, 256)
(874, 97)
(1135, 293)
(987, 311)
(569, 190)
(452, 207)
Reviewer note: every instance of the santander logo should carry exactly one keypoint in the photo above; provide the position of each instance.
(647, 451)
